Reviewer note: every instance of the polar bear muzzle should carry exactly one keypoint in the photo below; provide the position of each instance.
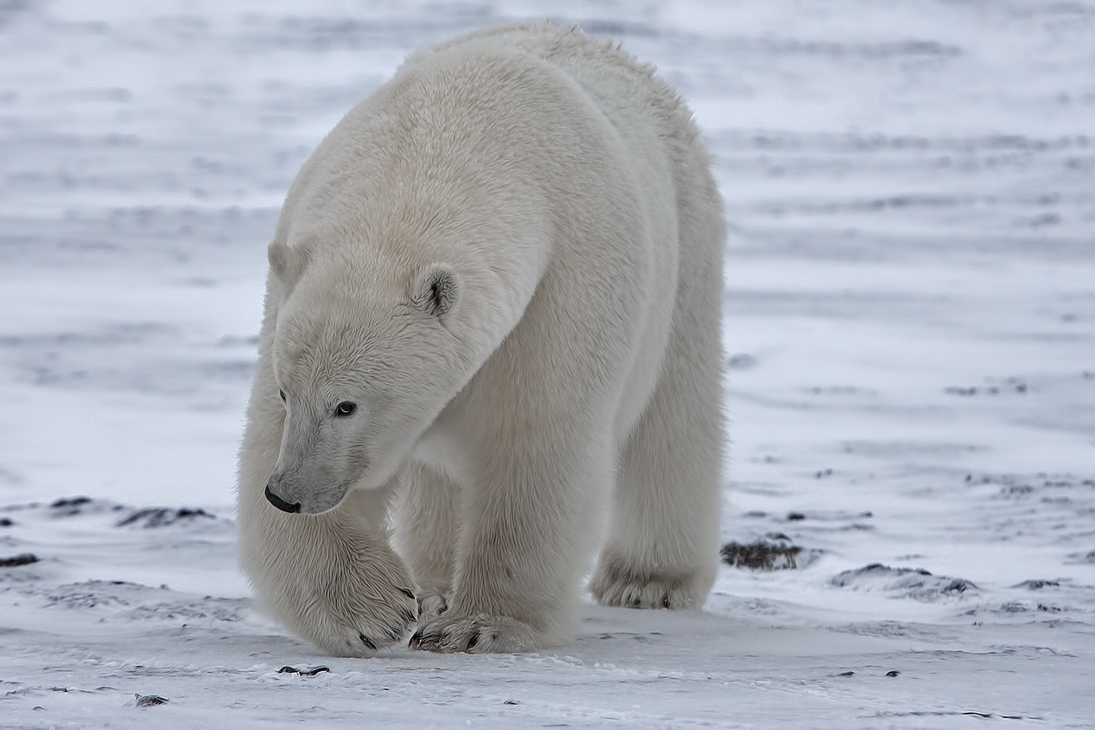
(290, 498)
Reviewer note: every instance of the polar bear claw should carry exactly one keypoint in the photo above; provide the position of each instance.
(614, 585)
(478, 634)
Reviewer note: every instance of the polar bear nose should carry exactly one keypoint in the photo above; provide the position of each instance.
(281, 503)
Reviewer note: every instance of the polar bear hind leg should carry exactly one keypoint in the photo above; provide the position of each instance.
(662, 542)
(425, 534)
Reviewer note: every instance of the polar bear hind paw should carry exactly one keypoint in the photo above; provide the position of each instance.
(615, 585)
(480, 634)
(431, 604)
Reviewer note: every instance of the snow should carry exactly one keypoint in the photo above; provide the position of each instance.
(909, 328)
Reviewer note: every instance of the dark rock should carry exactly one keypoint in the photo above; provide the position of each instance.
(24, 559)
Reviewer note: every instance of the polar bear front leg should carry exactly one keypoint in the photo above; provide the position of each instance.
(526, 535)
(330, 578)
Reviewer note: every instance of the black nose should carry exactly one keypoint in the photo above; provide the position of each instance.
(281, 503)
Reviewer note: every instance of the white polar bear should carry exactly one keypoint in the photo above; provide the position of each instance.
(493, 307)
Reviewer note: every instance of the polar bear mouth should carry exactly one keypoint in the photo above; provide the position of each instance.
(281, 503)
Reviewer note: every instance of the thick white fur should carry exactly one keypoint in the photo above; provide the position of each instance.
(509, 259)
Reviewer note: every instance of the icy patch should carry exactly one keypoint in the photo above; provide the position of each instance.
(922, 633)
(89, 595)
(124, 602)
(210, 609)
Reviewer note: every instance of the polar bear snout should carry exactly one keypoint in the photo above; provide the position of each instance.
(281, 503)
(290, 492)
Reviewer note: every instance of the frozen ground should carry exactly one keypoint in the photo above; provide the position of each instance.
(910, 335)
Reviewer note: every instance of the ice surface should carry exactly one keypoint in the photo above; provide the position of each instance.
(910, 339)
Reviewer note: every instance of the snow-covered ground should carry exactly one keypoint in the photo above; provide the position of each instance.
(910, 338)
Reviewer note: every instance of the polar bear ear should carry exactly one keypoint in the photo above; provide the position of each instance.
(286, 263)
(435, 290)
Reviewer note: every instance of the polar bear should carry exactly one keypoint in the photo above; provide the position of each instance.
(491, 343)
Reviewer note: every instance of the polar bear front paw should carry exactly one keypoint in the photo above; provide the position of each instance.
(359, 627)
(355, 611)
(480, 634)
(616, 585)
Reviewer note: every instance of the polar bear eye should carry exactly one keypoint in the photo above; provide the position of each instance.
(345, 408)
(282, 394)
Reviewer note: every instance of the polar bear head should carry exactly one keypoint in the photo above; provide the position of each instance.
(365, 356)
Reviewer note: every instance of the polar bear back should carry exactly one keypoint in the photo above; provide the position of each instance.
(668, 163)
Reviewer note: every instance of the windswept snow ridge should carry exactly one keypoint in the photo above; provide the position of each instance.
(909, 329)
